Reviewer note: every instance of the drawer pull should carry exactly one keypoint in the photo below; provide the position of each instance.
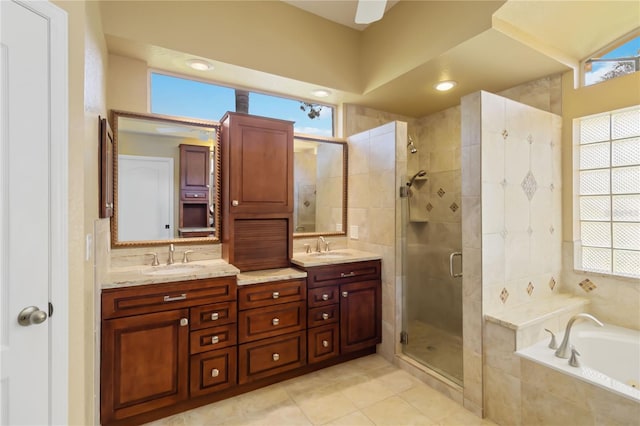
(184, 322)
(350, 274)
(275, 321)
(275, 357)
(215, 372)
(275, 294)
(325, 344)
(215, 316)
(325, 316)
(214, 340)
(183, 296)
(345, 294)
(325, 297)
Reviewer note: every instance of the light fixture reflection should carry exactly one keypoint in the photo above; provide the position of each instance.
(443, 86)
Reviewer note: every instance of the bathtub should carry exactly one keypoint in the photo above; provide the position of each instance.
(610, 357)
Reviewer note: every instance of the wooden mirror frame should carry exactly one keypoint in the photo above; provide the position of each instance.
(115, 114)
(345, 171)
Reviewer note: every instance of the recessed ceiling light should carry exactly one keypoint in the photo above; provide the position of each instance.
(199, 64)
(443, 86)
(321, 93)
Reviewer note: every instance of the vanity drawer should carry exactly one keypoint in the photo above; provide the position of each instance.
(323, 296)
(268, 294)
(213, 315)
(271, 321)
(266, 358)
(213, 371)
(324, 343)
(213, 338)
(121, 302)
(323, 315)
(194, 195)
(320, 276)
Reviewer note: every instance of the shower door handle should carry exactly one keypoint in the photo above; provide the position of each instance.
(451, 256)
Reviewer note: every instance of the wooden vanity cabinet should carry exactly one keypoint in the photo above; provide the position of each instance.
(164, 343)
(344, 309)
(271, 329)
(257, 191)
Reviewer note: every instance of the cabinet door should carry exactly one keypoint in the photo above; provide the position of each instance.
(194, 171)
(261, 165)
(145, 363)
(360, 315)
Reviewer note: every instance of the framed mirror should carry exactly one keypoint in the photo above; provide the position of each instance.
(166, 180)
(320, 186)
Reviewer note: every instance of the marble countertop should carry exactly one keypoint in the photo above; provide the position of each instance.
(269, 275)
(332, 257)
(146, 274)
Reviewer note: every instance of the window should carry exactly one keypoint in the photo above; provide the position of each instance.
(621, 58)
(195, 99)
(609, 192)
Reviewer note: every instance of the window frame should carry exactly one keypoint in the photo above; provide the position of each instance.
(603, 51)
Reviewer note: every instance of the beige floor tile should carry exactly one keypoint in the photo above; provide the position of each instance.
(395, 379)
(367, 393)
(395, 411)
(430, 402)
(289, 414)
(356, 418)
(323, 408)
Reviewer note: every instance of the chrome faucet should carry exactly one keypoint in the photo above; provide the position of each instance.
(565, 348)
(320, 243)
(170, 259)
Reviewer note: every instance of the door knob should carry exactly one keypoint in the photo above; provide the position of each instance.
(31, 315)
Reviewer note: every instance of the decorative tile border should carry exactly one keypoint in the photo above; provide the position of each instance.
(587, 285)
(552, 283)
(530, 288)
(504, 295)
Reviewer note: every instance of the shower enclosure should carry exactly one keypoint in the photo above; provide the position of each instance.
(432, 279)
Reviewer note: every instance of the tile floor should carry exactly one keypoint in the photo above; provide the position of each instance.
(365, 391)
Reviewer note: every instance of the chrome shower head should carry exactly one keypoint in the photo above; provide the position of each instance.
(411, 146)
(421, 173)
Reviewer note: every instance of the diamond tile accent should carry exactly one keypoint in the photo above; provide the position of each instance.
(503, 183)
(529, 231)
(454, 207)
(429, 207)
(504, 295)
(530, 139)
(552, 229)
(441, 192)
(552, 283)
(505, 134)
(530, 288)
(552, 187)
(587, 285)
(529, 185)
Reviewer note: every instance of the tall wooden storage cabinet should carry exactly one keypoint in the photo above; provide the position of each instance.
(194, 186)
(257, 191)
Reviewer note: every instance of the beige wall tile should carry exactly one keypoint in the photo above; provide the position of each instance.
(502, 401)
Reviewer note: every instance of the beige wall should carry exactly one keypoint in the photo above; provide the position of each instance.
(87, 94)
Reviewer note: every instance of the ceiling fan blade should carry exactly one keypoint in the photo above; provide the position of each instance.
(369, 11)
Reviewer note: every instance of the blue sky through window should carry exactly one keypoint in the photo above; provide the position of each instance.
(598, 69)
(189, 98)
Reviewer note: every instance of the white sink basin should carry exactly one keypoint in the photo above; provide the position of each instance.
(330, 254)
(172, 269)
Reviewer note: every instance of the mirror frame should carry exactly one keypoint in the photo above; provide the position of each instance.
(345, 170)
(115, 115)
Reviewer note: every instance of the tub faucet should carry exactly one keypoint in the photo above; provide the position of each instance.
(170, 259)
(320, 243)
(565, 348)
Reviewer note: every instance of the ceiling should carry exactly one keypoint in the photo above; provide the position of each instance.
(390, 65)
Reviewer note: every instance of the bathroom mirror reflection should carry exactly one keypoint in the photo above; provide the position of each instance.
(167, 175)
(320, 186)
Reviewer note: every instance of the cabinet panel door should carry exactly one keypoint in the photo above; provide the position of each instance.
(213, 371)
(360, 315)
(324, 343)
(145, 363)
(261, 165)
(268, 357)
(194, 168)
(271, 321)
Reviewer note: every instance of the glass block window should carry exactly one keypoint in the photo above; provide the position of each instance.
(608, 163)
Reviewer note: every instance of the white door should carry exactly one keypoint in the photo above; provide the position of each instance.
(33, 213)
(145, 198)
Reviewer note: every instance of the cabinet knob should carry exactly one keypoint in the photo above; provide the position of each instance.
(275, 294)
(215, 372)
(184, 322)
(325, 297)
(325, 316)
(345, 294)
(275, 357)
(214, 340)
(235, 203)
(325, 344)
(215, 316)
(275, 321)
